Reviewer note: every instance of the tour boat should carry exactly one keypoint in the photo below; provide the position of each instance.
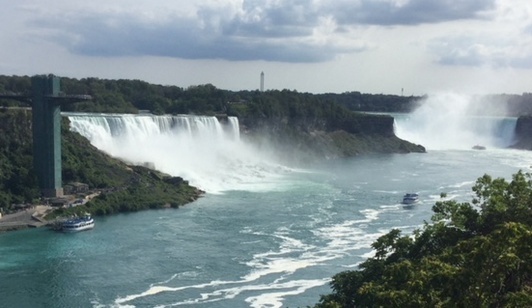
(410, 198)
(78, 224)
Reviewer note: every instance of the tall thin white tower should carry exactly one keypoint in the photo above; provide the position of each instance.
(262, 81)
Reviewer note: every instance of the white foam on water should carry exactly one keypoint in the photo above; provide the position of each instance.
(271, 272)
(370, 214)
(463, 184)
(275, 299)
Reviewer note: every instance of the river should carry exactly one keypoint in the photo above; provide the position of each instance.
(265, 235)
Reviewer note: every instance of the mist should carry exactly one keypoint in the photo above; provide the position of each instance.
(455, 121)
(200, 149)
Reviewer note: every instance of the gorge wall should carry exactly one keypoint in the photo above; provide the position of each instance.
(304, 140)
(523, 133)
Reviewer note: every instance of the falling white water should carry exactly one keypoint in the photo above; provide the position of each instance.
(208, 154)
(447, 121)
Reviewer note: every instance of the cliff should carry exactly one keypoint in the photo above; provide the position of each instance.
(523, 133)
(304, 140)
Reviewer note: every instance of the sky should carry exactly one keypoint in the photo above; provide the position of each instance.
(399, 47)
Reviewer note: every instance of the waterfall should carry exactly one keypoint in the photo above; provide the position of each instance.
(444, 121)
(208, 154)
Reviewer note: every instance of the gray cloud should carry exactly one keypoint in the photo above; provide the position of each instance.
(412, 12)
(185, 39)
(259, 30)
(469, 51)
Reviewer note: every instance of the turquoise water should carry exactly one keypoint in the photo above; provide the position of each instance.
(276, 246)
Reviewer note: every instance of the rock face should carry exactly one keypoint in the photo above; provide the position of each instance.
(307, 140)
(523, 133)
(365, 124)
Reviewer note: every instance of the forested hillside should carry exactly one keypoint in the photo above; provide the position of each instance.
(131, 95)
(128, 96)
(18, 182)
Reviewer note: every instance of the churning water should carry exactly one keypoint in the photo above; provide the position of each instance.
(207, 153)
(446, 121)
(265, 235)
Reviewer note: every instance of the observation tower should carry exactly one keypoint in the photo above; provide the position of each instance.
(262, 81)
(46, 100)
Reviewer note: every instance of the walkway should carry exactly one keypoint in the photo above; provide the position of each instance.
(29, 218)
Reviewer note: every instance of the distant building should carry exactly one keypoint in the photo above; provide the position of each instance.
(59, 202)
(75, 188)
(262, 81)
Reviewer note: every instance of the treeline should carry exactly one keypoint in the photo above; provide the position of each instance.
(373, 102)
(129, 96)
(474, 254)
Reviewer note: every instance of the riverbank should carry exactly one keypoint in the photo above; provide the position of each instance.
(29, 218)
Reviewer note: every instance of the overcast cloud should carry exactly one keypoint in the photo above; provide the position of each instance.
(298, 37)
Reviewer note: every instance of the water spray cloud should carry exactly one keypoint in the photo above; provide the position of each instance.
(455, 121)
(200, 149)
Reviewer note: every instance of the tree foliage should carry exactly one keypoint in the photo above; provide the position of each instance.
(130, 96)
(18, 183)
(476, 254)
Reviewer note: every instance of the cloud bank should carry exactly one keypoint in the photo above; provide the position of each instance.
(378, 46)
(244, 30)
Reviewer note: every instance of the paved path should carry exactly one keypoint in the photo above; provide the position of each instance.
(32, 217)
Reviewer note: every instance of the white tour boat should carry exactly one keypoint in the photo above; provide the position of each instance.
(410, 198)
(78, 224)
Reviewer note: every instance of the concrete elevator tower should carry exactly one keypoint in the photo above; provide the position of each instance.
(46, 120)
(262, 81)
